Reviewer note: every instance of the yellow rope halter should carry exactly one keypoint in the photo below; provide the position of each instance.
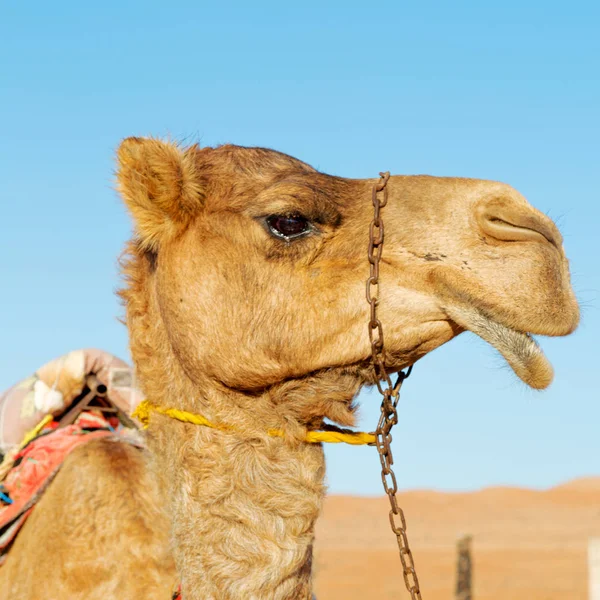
(333, 435)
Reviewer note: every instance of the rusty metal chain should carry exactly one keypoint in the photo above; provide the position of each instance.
(389, 391)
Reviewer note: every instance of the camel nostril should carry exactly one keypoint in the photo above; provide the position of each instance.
(509, 222)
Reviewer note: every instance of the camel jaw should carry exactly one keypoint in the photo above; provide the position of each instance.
(518, 348)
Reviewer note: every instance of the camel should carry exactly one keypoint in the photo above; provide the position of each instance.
(245, 303)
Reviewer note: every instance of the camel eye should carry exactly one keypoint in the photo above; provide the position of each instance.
(288, 227)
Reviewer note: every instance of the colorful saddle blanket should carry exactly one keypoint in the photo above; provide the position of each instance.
(36, 465)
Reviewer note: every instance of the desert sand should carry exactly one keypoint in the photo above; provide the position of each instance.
(527, 545)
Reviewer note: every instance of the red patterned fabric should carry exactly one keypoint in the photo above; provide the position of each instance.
(37, 464)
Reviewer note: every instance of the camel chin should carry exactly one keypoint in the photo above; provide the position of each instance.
(519, 349)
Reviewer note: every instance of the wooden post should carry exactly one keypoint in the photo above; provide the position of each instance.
(464, 569)
(594, 568)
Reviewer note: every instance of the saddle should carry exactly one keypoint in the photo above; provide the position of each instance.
(89, 397)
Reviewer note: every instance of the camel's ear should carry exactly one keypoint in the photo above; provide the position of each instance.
(160, 185)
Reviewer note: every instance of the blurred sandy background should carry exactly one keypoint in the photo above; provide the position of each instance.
(527, 545)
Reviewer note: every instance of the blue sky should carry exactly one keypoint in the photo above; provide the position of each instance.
(507, 91)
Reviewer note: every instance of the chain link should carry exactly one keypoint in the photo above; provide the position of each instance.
(390, 392)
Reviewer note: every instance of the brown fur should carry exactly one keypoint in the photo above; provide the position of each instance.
(93, 530)
(227, 320)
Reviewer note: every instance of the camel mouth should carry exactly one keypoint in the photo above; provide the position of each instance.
(519, 349)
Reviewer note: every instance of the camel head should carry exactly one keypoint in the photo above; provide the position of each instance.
(255, 265)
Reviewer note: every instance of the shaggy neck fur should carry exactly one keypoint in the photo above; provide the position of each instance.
(243, 504)
(243, 508)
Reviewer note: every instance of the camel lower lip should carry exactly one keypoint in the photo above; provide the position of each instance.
(520, 350)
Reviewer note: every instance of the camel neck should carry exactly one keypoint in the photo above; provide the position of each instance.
(244, 506)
